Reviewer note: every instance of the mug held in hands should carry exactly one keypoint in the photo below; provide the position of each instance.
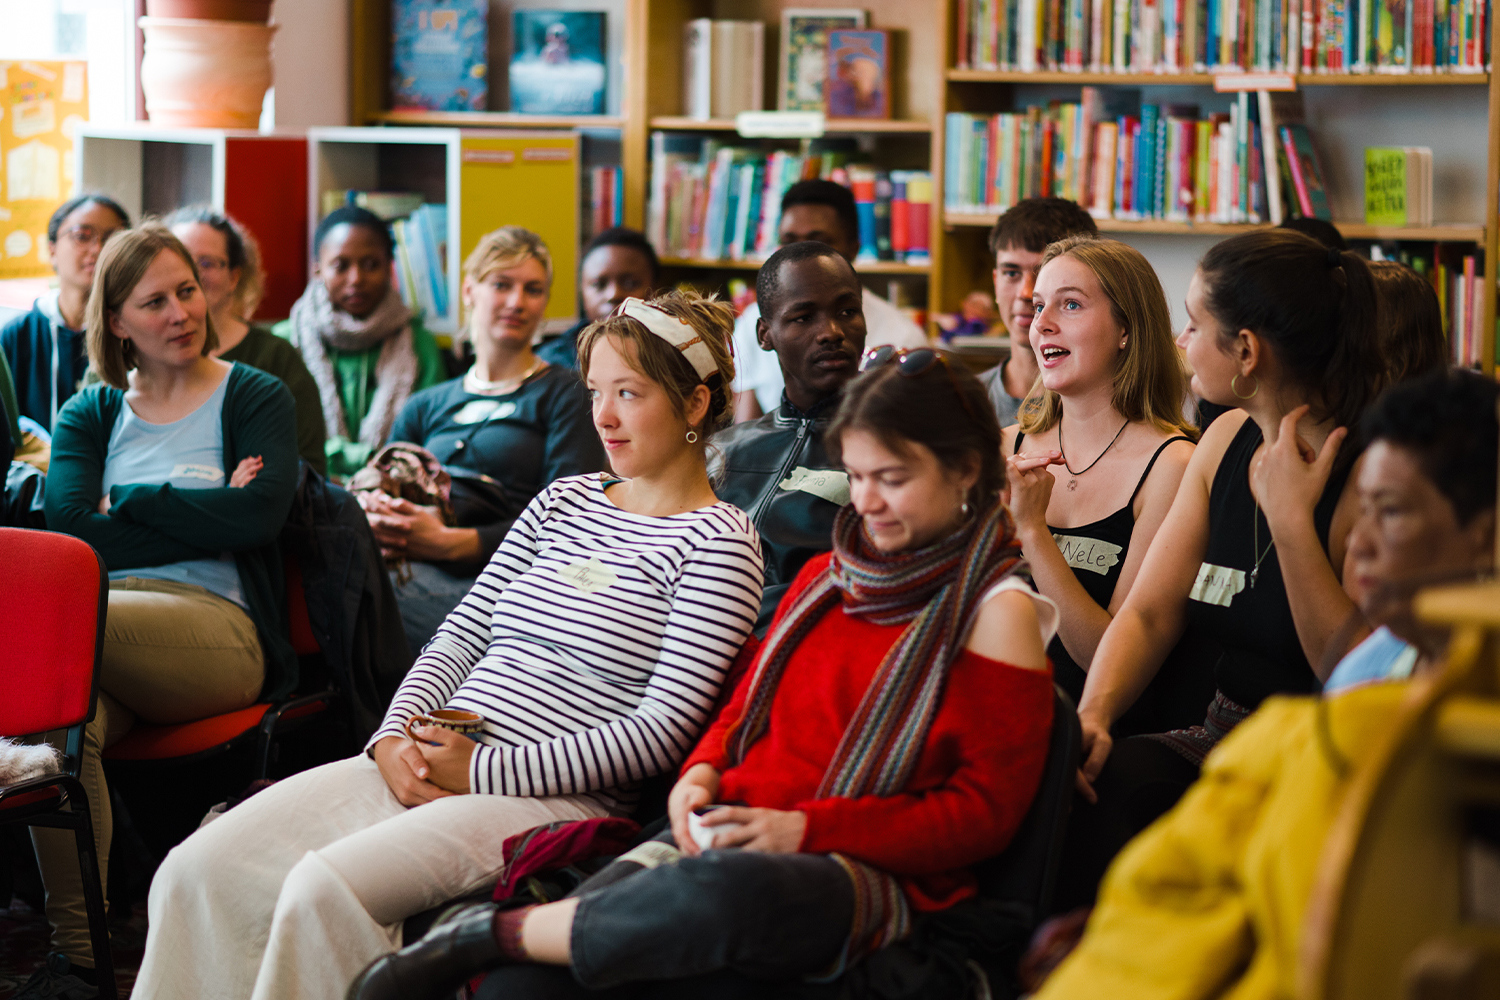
(460, 721)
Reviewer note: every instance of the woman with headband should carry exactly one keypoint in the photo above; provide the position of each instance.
(592, 648)
(891, 734)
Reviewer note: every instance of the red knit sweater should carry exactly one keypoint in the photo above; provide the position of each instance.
(973, 782)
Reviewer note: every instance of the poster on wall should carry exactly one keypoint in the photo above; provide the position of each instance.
(41, 105)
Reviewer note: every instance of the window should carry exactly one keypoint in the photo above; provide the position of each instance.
(99, 31)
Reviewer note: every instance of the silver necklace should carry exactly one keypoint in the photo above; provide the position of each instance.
(1255, 545)
(480, 387)
(1073, 483)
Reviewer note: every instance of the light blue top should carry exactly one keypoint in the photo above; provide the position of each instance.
(1381, 657)
(188, 454)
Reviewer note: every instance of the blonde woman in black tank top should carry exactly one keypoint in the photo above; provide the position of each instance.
(1095, 461)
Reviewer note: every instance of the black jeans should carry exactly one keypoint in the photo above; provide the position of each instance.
(723, 917)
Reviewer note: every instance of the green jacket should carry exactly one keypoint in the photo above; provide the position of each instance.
(154, 524)
(260, 349)
(355, 371)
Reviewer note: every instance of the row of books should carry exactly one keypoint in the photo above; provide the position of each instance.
(710, 200)
(606, 194)
(1177, 36)
(1125, 160)
(1459, 292)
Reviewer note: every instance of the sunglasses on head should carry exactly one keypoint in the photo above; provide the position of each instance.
(911, 363)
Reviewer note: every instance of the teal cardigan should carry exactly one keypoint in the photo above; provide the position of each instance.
(150, 525)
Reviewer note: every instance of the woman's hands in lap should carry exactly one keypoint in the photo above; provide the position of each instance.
(417, 532)
(771, 831)
(407, 771)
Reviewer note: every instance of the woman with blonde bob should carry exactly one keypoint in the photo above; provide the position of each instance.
(591, 649)
(179, 469)
(505, 431)
(1100, 448)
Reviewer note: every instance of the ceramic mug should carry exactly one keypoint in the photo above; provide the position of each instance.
(460, 721)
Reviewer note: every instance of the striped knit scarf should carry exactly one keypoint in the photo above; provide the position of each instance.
(937, 591)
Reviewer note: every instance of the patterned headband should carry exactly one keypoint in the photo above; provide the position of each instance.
(675, 332)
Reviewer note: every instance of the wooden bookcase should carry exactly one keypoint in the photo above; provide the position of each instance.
(1458, 114)
(926, 84)
(151, 171)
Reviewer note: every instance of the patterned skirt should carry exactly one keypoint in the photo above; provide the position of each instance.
(1195, 742)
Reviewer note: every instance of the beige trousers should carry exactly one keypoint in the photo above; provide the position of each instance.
(292, 893)
(173, 652)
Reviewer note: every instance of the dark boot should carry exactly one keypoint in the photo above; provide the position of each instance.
(435, 967)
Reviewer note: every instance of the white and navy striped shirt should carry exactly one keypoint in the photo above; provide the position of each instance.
(594, 643)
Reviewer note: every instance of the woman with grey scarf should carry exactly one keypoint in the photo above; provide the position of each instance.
(363, 346)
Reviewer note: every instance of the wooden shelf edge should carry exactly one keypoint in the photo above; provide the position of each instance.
(834, 126)
(1351, 230)
(870, 267)
(495, 119)
(1207, 79)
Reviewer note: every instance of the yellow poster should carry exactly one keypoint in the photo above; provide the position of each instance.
(41, 104)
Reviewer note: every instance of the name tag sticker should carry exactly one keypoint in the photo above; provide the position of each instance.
(1217, 585)
(830, 484)
(589, 576)
(190, 471)
(1082, 552)
(479, 410)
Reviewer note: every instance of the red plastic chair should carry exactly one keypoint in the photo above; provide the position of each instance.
(55, 594)
(264, 722)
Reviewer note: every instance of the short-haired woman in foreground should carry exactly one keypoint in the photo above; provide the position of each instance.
(592, 646)
(891, 735)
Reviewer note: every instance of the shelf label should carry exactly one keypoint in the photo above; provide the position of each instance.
(779, 124)
(506, 156)
(1233, 83)
(544, 154)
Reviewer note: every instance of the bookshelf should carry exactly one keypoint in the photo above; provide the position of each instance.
(486, 178)
(1460, 120)
(151, 170)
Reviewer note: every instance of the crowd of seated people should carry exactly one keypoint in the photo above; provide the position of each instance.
(917, 552)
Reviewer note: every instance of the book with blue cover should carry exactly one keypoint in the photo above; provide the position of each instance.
(438, 55)
(557, 64)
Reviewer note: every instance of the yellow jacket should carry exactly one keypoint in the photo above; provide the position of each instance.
(1208, 902)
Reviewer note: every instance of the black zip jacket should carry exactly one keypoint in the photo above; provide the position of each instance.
(776, 470)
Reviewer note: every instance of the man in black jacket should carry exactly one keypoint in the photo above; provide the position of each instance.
(775, 468)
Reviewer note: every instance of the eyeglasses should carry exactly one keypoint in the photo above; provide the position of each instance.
(87, 236)
(206, 264)
(912, 363)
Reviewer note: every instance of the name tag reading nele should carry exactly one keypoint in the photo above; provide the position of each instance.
(1217, 585)
(1082, 552)
(589, 576)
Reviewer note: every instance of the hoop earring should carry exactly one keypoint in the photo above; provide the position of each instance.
(692, 437)
(1241, 395)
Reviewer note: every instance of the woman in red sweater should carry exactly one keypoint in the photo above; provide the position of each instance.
(891, 735)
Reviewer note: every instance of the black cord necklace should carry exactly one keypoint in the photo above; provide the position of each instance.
(1073, 483)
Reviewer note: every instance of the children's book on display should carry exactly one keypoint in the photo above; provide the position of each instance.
(557, 64)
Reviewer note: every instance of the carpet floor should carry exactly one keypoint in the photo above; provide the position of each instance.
(23, 945)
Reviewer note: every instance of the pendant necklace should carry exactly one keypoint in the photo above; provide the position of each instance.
(480, 387)
(1073, 483)
(1260, 556)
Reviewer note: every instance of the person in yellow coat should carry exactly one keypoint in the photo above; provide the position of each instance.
(1209, 901)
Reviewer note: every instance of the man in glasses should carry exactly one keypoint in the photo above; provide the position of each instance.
(821, 211)
(45, 346)
(775, 467)
(1018, 241)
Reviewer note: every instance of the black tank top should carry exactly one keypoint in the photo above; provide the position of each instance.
(1262, 654)
(1096, 553)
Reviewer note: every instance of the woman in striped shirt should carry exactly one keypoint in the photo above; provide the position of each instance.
(593, 646)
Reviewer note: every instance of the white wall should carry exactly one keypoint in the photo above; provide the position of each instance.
(310, 57)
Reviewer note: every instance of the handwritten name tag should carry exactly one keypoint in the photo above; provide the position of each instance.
(479, 410)
(830, 484)
(589, 576)
(190, 471)
(1217, 585)
(1082, 552)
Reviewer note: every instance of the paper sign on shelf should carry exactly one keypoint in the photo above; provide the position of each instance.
(779, 124)
(41, 103)
(1233, 83)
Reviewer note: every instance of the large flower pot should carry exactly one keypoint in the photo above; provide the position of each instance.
(258, 11)
(208, 74)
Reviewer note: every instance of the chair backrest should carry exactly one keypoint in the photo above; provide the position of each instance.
(53, 596)
(1026, 871)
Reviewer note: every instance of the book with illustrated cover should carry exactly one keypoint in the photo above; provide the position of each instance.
(859, 74)
(438, 55)
(557, 63)
(804, 54)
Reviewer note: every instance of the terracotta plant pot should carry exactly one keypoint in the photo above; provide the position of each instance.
(207, 74)
(258, 11)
